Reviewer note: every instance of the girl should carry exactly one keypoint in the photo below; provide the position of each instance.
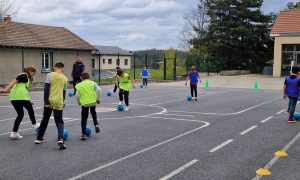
(19, 98)
(193, 76)
(124, 83)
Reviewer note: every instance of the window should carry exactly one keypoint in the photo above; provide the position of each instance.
(125, 61)
(109, 61)
(46, 61)
(93, 63)
(117, 62)
(103, 61)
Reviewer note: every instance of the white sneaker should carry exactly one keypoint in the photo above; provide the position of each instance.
(127, 108)
(15, 136)
(37, 125)
(121, 103)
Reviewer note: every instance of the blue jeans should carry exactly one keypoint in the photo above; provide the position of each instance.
(292, 105)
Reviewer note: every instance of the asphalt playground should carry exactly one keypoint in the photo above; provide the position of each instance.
(228, 134)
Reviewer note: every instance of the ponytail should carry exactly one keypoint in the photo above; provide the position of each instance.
(29, 69)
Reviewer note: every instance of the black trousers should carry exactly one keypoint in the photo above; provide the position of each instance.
(193, 89)
(58, 118)
(126, 96)
(18, 105)
(75, 80)
(85, 115)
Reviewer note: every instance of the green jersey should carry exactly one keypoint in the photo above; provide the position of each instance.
(20, 90)
(124, 82)
(87, 92)
(57, 82)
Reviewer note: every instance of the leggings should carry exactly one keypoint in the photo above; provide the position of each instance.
(145, 81)
(58, 118)
(126, 96)
(18, 105)
(84, 117)
(193, 88)
(115, 88)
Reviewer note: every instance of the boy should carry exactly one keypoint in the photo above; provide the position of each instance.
(291, 90)
(124, 82)
(88, 95)
(115, 76)
(193, 76)
(55, 85)
(145, 74)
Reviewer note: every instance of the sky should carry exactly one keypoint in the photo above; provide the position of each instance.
(129, 24)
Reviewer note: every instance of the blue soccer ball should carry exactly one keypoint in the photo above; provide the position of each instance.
(120, 107)
(37, 130)
(65, 134)
(108, 93)
(88, 130)
(189, 97)
(70, 94)
(141, 85)
(297, 115)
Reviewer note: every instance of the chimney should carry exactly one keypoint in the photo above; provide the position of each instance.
(7, 18)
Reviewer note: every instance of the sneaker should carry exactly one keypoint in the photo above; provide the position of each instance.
(121, 103)
(61, 143)
(83, 137)
(127, 108)
(40, 141)
(14, 135)
(35, 126)
(288, 111)
(292, 120)
(97, 129)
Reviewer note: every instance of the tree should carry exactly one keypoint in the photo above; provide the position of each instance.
(9, 8)
(291, 5)
(196, 23)
(237, 30)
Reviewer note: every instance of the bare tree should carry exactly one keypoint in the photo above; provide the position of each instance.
(9, 8)
(196, 21)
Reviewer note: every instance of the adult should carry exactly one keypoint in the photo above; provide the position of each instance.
(78, 69)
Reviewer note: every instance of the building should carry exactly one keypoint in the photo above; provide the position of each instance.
(111, 57)
(23, 44)
(286, 34)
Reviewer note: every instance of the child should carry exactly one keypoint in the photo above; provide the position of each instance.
(20, 98)
(291, 90)
(124, 82)
(55, 84)
(145, 74)
(88, 95)
(193, 76)
(115, 76)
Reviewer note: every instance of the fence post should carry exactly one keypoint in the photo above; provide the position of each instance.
(174, 78)
(146, 61)
(99, 65)
(165, 64)
(187, 63)
(134, 65)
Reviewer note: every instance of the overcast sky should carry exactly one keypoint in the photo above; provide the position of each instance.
(128, 24)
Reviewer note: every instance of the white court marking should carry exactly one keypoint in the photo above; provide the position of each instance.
(178, 115)
(281, 111)
(141, 151)
(239, 112)
(247, 130)
(179, 170)
(221, 145)
(267, 119)
(273, 161)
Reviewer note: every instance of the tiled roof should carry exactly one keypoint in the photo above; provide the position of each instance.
(287, 22)
(14, 34)
(111, 50)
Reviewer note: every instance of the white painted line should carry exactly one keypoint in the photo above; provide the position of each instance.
(178, 115)
(267, 119)
(273, 161)
(244, 132)
(230, 113)
(281, 111)
(179, 170)
(221, 145)
(138, 152)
